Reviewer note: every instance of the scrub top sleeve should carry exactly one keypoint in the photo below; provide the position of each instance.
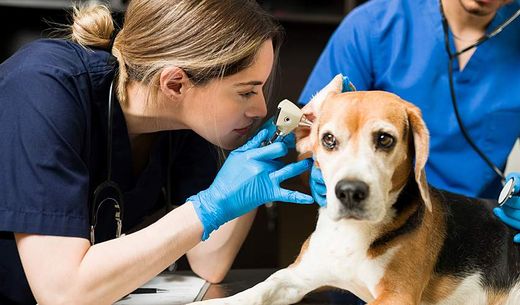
(348, 52)
(44, 176)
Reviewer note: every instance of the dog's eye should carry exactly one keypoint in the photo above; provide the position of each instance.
(384, 140)
(328, 141)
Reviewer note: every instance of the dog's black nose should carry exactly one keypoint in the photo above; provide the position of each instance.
(351, 192)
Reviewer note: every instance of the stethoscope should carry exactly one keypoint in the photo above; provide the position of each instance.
(109, 191)
(115, 195)
(512, 186)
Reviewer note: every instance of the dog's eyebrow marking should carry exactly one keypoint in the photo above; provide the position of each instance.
(408, 198)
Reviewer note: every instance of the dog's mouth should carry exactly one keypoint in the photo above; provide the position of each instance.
(351, 214)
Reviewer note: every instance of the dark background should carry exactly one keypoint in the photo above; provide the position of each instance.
(278, 232)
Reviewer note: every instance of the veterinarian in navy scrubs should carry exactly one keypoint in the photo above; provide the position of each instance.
(400, 46)
(86, 125)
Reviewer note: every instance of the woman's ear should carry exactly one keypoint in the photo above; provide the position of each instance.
(174, 82)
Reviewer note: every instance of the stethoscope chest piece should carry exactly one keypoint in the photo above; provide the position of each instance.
(510, 188)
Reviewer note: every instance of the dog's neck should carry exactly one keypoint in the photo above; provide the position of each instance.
(405, 216)
(409, 213)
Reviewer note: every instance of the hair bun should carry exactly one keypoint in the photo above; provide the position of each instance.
(92, 26)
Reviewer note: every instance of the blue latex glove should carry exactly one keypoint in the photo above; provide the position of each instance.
(509, 213)
(318, 188)
(249, 178)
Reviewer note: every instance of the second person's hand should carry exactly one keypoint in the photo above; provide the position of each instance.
(250, 177)
(509, 213)
(318, 187)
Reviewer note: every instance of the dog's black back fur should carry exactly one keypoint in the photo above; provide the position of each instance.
(477, 241)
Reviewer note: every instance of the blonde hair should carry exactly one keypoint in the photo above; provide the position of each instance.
(206, 38)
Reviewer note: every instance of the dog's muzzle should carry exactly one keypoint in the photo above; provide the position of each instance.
(351, 193)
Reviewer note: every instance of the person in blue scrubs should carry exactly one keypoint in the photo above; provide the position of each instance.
(136, 109)
(398, 46)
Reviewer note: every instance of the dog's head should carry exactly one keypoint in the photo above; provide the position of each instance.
(368, 144)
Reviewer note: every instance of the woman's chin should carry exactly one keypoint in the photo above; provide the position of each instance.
(232, 142)
(228, 143)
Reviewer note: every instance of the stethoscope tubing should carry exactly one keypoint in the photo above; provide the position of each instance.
(451, 57)
(108, 184)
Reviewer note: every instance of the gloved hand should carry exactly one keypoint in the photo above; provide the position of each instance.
(249, 178)
(510, 211)
(289, 139)
(318, 188)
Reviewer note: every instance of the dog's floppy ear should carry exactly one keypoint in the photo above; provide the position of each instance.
(421, 139)
(304, 139)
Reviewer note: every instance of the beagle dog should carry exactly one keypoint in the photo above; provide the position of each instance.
(385, 235)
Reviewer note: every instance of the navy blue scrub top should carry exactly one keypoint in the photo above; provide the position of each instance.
(53, 113)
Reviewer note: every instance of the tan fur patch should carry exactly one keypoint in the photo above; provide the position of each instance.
(302, 252)
(404, 169)
(410, 270)
(440, 287)
(394, 298)
(401, 175)
(497, 298)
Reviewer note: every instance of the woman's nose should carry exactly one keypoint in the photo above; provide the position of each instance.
(258, 108)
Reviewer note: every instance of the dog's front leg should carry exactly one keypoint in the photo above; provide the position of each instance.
(286, 286)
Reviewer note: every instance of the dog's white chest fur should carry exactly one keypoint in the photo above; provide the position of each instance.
(339, 251)
(336, 256)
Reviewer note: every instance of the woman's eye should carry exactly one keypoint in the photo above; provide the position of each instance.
(248, 94)
(384, 140)
(329, 141)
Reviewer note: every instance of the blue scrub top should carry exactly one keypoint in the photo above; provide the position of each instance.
(53, 123)
(398, 46)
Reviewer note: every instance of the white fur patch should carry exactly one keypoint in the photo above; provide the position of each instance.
(514, 296)
(339, 250)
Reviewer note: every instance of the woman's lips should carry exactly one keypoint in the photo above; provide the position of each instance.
(485, 2)
(243, 131)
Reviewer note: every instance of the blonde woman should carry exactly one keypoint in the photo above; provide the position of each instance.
(89, 130)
